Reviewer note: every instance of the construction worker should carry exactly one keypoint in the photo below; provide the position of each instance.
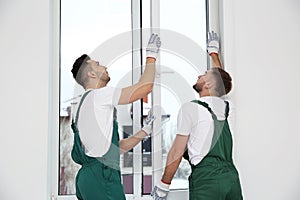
(204, 128)
(97, 146)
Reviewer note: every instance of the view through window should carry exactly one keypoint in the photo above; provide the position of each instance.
(94, 27)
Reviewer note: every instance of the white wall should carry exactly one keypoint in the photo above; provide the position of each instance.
(261, 46)
(262, 40)
(24, 52)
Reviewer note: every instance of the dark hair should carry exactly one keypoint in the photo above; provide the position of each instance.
(78, 63)
(223, 81)
(78, 67)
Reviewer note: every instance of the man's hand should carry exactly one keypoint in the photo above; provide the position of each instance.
(148, 122)
(153, 46)
(212, 43)
(160, 191)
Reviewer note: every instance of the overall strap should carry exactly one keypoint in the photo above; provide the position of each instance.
(79, 106)
(208, 108)
(227, 109)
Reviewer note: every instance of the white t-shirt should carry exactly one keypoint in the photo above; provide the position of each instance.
(195, 121)
(95, 122)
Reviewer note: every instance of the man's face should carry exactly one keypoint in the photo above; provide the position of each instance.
(202, 80)
(100, 70)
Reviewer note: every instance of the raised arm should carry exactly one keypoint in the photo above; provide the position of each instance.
(145, 84)
(213, 49)
(216, 60)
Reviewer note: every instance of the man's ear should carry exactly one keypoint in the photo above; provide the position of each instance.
(91, 74)
(208, 84)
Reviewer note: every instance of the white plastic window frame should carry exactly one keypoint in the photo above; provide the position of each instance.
(54, 88)
(213, 8)
(213, 23)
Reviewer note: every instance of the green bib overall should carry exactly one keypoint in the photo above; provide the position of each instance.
(98, 178)
(215, 177)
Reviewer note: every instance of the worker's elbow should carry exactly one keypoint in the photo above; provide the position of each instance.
(149, 88)
(141, 92)
(145, 89)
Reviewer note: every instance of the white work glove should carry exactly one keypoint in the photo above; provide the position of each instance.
(153, 46)
(212, 43)
(160, 191)
(148, 122)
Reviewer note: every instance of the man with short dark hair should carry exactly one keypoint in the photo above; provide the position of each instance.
(203, 127)
(96, 140)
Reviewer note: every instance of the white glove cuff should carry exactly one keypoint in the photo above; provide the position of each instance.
(164, 186)
(212, 49)
(147, 129)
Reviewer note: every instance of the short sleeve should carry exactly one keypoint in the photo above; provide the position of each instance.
(184, 120)
(108, 96)
(116, 96)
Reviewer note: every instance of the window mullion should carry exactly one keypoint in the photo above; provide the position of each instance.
(156, 101)
(136, 64)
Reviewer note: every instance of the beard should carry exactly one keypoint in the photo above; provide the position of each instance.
(197, 89)
(103, 77)
(107, 79)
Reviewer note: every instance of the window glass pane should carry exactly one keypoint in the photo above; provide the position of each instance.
(185, 26)
(124, 116)
(85, 27)
(187, 18)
